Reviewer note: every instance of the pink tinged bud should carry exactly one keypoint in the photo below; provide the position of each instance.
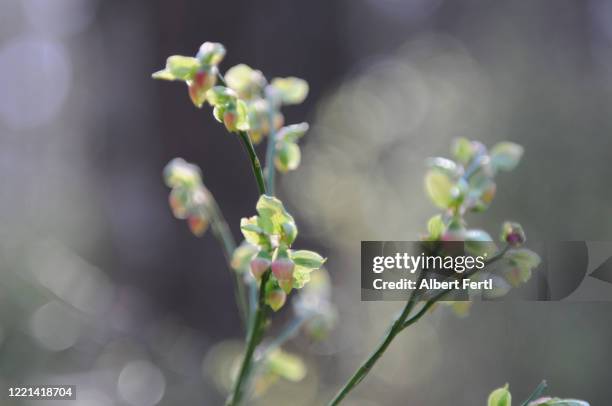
(259, 266)
(276, 299)
(202, 81)
(197, 225)
(176, 205)
(229, 119)
(283, 269)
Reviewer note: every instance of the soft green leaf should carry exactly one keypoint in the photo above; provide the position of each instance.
(246, 81)
(286, 365)
(505, 156)
(439, 188)
(523, 258)
(292, 90)
(242, 116)
(242, 256)
(462, 150)
(272, 215)
(182, 67)
(293, 132)
(163, 74)
(307, 259)
(252, 232)
(436, 227)
(500, 397)
(288, 156)
(220, 96)
(211, 53)
(444, 165)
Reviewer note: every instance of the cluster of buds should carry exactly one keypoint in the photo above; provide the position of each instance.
(268, 239)
(189, 199)
(467, 183)
(199, 72)
(246, 101)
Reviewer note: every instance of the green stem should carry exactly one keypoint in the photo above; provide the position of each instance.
(255, 164)
(367, 365)
(398, 325)
(224, 236)
(536, 393)
(270, 151)
(253, 339)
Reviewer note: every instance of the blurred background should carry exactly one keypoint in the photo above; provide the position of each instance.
(101, 287)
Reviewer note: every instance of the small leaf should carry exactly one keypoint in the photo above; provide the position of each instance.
(523, 258)
(439, 188)
(505, 156)
(462, 150)
(292, 133)
(182, 67)
(444, 165)
(242, 116)
(500, 397)
(307, 259)
(292, 90)
(243, 255)
(246, 81)
(287, 366)
(220, 96)
(288, 156)
(211, 53)
(272, 215)
(436, 227)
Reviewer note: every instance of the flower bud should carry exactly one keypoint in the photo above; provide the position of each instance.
(259, 266)
(276, 298)
(230, 119)
(177, 204)
(283, 269)
(197, 225)
(202, 81)
(513, 234)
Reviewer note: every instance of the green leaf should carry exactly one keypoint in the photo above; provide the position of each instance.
(292, 90)
(505, 156)
(220, 96)
(293, 132)
(211, 53)
(182, 67)
(288, 156)
(500, 397)
(436, 227)
(243, 255)
(565, 402)
(272, 215)
(286, 365)
(246, 81)
(444, 165)
(252, 232)
(439, 188)
(462, 150)
(242, 116)
(307, 259)
(524, 258)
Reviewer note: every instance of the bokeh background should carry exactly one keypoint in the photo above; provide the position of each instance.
(102, 288)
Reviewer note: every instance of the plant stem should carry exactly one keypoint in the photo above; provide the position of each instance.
(224, 236)
(253, 338)
(367, 365)
(536, 393)
(398, 325)
(255, 164)
(270, 150)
